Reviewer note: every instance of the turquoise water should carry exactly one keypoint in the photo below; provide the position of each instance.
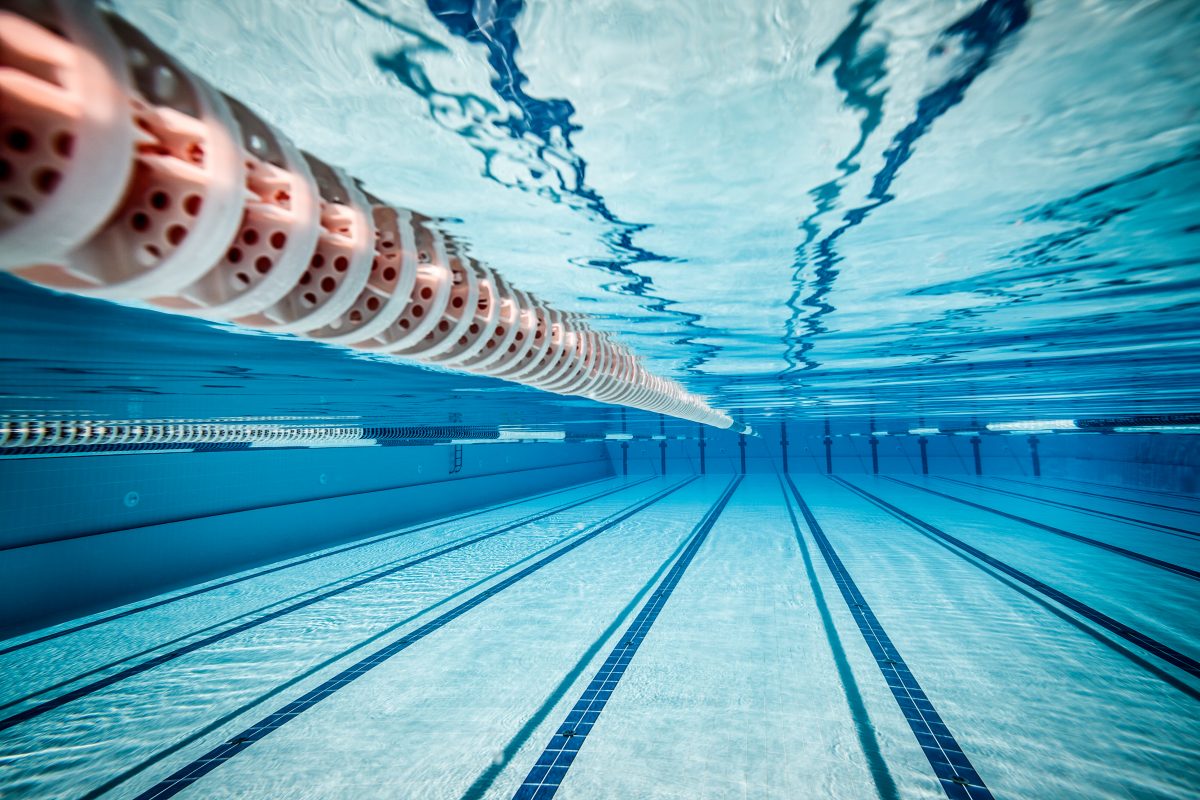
(896, 208)
(752, 682)
(868, 229)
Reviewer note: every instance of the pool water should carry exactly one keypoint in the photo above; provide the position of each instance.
(940, 255)
(754, 678)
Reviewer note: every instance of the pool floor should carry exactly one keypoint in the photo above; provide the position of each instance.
(755, 636)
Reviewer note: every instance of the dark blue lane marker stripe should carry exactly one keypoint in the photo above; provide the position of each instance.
(950, 764)
(1152, 492)
(278, 567)
(1114, 497)
(480, 787)
(185, 777)
(551, 768)
(102, 683)
(1153, 646)
(1154, 562)
(1083, 509)
(885, 784)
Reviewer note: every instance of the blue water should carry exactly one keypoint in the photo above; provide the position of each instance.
(739, 689)
(862, 228)
(906, 209)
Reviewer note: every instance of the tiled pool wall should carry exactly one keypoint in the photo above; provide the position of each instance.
(87, 532)
(1166, 462)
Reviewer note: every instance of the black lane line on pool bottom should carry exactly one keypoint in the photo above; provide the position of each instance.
(261, 609)
(483, 783)
(1154, 562)
(189, 774)
(373, 539)
(1152, 492)
(1101, 495)
(102, 683)
(1150, 645)
(950, 764)
(552, 765)
(885, 784)
(1141, 523)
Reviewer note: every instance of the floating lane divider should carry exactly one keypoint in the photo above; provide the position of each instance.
(288, 565)
(1101, 495)
(950, 764)
(1154, 562)
(1083, 509)
(552, 765)
(102, 683)
(1150, 645)
(189, 774)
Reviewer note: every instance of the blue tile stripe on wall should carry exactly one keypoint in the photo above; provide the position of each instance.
(1147, 643)
(950, 764)
(189, 774)
(550, 770)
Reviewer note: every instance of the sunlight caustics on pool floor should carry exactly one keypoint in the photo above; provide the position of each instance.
(693, 636)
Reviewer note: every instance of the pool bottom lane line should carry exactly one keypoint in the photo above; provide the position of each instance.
(289, 600)
(1095, 512)
(1147, 643)
(1101, 495)
(550, 770)
(197, 769)
(1112, 548)
(885, 784)
(950, 764)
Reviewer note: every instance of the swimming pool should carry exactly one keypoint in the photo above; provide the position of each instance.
(860, 461)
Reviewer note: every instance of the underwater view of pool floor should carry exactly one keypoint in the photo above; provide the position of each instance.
(681, 637)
